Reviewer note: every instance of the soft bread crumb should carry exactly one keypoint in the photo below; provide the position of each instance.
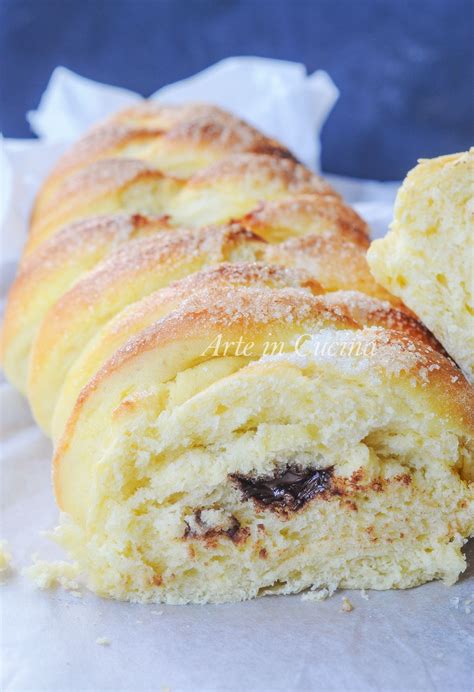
(5, 557)
(319, 595)
(346, 605)
(103, 641)
(425, 259)
(47, 575)
(391, 425)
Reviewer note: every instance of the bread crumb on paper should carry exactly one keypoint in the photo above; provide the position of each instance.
(317, 595)
(47, 575)
(346, 605)
(5, 558)
(465, 605)
(103, 641)
(455, 602)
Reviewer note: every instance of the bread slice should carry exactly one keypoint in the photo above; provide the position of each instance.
(427, 258)
(259, 441)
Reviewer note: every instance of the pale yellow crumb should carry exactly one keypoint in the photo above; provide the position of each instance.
(426, 258)
(5, 557)
(319, 595)
(46, 575)
(76, 594)
(346, 605)
(103, 641)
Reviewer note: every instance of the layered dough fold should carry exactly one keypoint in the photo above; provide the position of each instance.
(312, 452)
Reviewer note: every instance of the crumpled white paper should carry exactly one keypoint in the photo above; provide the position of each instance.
(419, 639)
(276, 96)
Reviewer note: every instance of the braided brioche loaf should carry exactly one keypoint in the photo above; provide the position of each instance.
(237, 407)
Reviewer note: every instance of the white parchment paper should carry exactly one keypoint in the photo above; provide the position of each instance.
(417, 639)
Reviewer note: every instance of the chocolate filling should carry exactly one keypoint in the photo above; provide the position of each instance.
(234, 531)
(288, 490)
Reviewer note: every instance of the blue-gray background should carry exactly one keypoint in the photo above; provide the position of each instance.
(404, 67)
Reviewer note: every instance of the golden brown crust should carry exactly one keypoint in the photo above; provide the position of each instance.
(112, 185)
(369, 311)
(240, 274)
(161, 136)
(101, 142)
(96, 180)
(225, 275)
(263, 169)
(48, 273)
(215, 129)
(155, 251)
(202, 123)
(336, 258)
(87, 234)
(227, 134)
(302, 214)
(101, 189)
(80, 244)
